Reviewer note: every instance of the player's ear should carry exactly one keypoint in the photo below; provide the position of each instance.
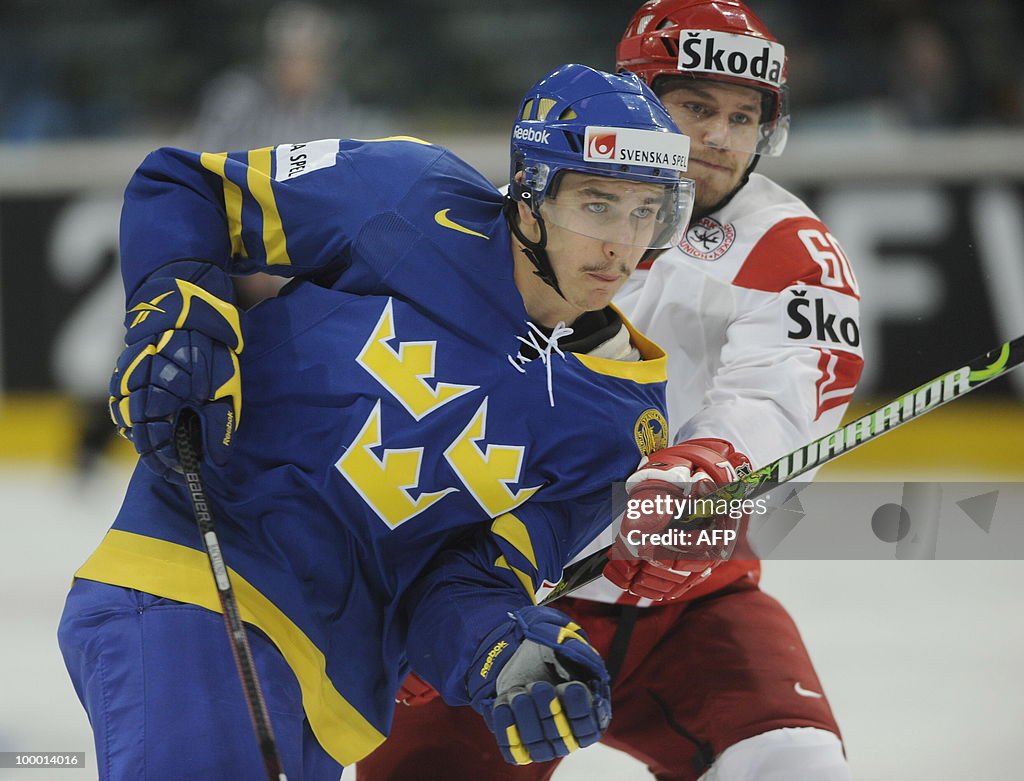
(527, 219)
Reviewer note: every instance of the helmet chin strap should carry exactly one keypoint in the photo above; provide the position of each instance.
(535, 251)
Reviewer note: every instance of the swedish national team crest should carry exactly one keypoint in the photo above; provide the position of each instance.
(708, 239)
(651, 432)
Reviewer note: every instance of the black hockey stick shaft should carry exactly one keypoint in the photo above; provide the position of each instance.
(186, 440)
(913, 404)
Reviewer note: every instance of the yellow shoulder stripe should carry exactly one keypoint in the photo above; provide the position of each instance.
(652, 368)
(177, 572)
(232, 200)
(260, 185)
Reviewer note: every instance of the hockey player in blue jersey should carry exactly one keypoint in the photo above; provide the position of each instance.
(398, 450)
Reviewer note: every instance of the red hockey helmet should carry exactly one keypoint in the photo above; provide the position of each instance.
(721, 40)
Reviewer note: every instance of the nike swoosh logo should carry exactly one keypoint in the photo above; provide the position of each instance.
(806, 692)
(441, 218)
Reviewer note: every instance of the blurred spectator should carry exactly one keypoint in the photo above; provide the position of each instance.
(927, 78)
(91, 68)
(44, 98)
(296, 95)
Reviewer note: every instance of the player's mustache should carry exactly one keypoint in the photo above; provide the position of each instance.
(607, 268)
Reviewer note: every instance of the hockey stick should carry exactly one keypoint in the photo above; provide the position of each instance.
(922, 399)
(185, 439)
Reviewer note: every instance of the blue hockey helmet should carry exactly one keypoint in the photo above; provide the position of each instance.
(581, 120)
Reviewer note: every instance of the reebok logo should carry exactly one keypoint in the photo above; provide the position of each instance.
(229, 426)
(732, 55)
(491, 656)
(530, 134)
(145, 308)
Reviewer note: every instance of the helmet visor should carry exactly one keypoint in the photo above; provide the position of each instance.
(620, 211)
(726, 115)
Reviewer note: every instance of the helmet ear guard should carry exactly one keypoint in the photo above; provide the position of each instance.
(526, 180)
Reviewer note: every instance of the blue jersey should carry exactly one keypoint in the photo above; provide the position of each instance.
(399, 479)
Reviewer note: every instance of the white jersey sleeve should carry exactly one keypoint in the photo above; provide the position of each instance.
(757, 310)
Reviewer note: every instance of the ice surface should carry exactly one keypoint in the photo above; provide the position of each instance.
(921, 660)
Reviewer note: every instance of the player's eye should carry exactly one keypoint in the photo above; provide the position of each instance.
(643, 212)
(596, 208)
(697, 109)
(742, 119)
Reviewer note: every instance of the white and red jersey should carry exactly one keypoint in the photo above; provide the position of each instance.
(758, 312)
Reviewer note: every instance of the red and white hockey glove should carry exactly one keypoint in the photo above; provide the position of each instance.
(415, 691)
(650, 558)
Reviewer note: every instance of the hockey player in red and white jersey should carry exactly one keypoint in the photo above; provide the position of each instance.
(758, 312)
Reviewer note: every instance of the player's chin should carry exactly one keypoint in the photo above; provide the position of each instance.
(598, 296)
(714, 186)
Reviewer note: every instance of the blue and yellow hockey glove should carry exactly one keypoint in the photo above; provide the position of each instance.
(183, 340)
(540, 686)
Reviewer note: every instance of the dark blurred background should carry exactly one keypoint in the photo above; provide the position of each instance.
(95, 68)
(908, 141)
